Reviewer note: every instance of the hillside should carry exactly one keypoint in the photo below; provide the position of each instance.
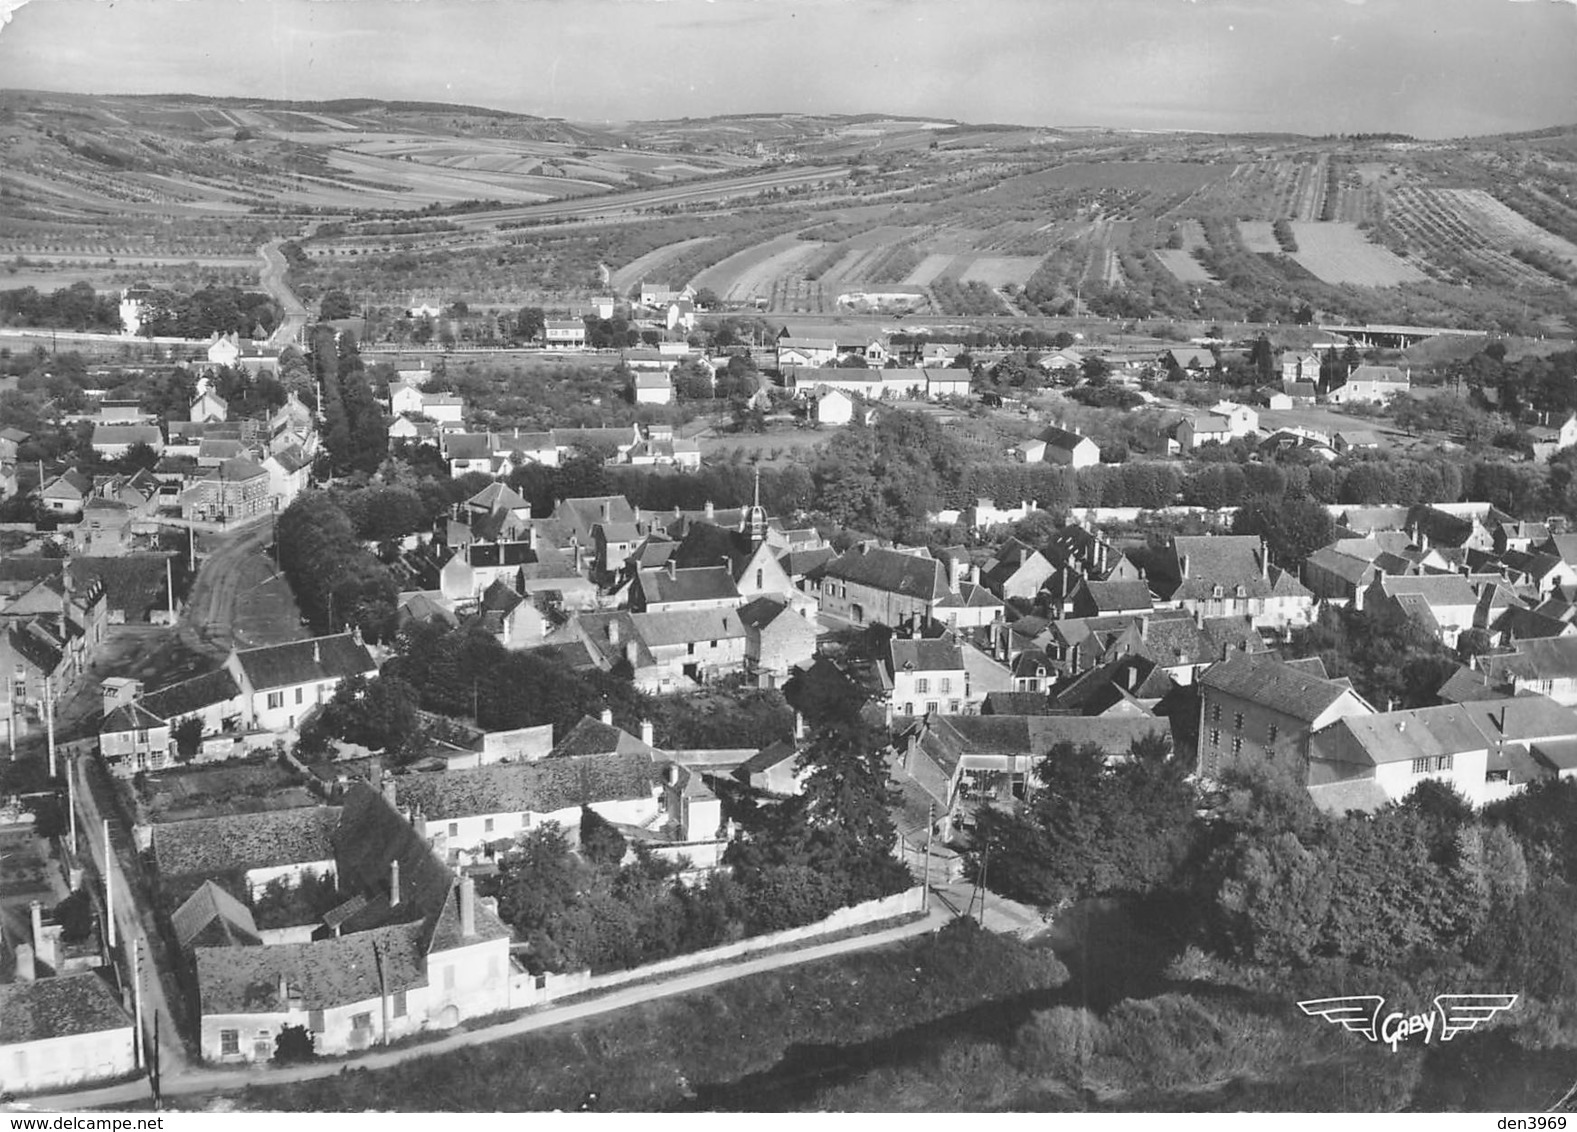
(811, 214)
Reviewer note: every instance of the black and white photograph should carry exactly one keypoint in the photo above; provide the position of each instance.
(787, 556)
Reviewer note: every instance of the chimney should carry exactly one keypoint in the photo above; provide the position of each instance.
(954, 568)
(709, 509)
(671, 774)
(613, 631)
(531, 537)
(317, 652)
(37, 910)
(605, 509)
(1500, 723)
(799, 726)
(648, 732)
(974, 574)
(1182, 562)
(671, 569)
(25, 969)
(467, 907)
(1264, 561)
(284, 992)
(390, 792)
(355, 634)
(607, 716)
(394, 883)
(631, 653)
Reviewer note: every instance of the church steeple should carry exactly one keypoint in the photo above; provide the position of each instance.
(756, 517)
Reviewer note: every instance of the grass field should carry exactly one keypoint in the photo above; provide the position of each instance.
(1338, 252)
(650, 265)
(748, 274)
(1183, 265)
(1258, 237)
(999, 270)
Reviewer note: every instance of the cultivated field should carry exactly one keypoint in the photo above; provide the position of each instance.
(1183, 265)
(650, 265)
(1503, 227)
(999, 270)
(750, 274)
(1258, 237)
(1339, 253)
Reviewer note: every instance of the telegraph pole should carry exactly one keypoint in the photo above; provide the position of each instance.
(109, 885)
(71, 800)
(49, 720)
(136, 998)
(930, 822)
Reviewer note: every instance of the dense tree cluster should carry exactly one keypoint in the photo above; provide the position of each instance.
(337, 582)
(355, 430)
(212, 310)
(77, 307)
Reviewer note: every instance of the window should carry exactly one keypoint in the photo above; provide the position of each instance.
(276, 699)
(1215, 738)
(454, 829)
(908, 708)
(301, 694)
(945, 685)
(1237, 744)
(1270, 736)
(315, 1021)
(713, 645)
(690, 649)
(952, 706)
(229, 1042)
(399, 1004)
(1427, 764)
(361, 1021)
(930, 707)
(487, 825)
(142, 737)
(1215, 713)
(760, 579)
(922, 685)
(1216, 591)
(1237, 722)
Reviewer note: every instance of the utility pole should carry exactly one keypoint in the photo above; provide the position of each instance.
(109, 885)
(930, 822)
(138, 1041)
(169, 583)
(10, 714)
(71, 800)
(49, 720)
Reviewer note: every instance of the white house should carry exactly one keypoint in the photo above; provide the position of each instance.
(564, 333)
(1371, 383)
(281, 683)
(62, 1031)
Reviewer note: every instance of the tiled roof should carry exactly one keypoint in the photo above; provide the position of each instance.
(1119, 597)
(1542, 659)
(325, 973)
(593, 737)
(209, 846)
(761, 612)
(1263, 679)
(892, 571)
(1368, 519)
(1174, 638)
(939, 654)
(175, 700)
(1467, 684)
(1399, 736)
(967, 735)
(211, 917)
(698, 583)
(1362, 794)
(127, 434)
(798, 563)
(79, 1003)
(1016, 703)
(304, 662)
(1348, 567)
(682, 626)
(129, 717)
(542, 787)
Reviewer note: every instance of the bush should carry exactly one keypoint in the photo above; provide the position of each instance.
(294, 1044)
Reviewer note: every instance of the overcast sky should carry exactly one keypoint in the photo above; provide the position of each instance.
(1434, 68)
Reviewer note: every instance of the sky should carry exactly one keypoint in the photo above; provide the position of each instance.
(1431, 68)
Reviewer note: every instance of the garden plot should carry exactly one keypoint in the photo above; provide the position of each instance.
(1337, 252)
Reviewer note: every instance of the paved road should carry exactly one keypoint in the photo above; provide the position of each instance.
(274, 273)
(194, 1081)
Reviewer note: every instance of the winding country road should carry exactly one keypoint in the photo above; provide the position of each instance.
(274, 278)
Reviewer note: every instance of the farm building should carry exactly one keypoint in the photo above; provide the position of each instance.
(806, 351)
(647, 388)
(1070, 448)
(941, 383)
(564, 333)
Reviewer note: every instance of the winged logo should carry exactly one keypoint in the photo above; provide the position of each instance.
(1460, 1012)
(1359, 1014)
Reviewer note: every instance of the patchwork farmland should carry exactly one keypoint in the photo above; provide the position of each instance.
(1337, 252)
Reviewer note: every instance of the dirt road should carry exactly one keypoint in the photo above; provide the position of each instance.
(274, 273)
